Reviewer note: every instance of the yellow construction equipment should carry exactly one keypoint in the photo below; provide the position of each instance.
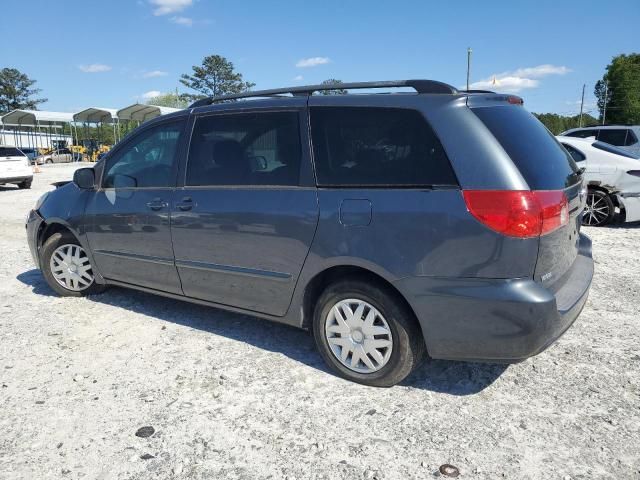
(90, 149)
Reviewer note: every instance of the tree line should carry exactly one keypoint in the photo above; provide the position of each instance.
(559, 123)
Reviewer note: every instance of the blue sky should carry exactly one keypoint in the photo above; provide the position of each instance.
(113, 53)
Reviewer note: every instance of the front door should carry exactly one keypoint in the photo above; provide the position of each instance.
(243, 223)
(129, 216)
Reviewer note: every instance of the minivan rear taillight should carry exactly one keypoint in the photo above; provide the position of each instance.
(519, 213)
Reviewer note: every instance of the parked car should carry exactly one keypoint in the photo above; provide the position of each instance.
(63, 155)
(15, 167)
(613, 180)
(388, 225)
(31, 154)
(622, 136)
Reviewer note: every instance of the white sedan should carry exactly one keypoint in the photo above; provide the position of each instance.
(612, 176)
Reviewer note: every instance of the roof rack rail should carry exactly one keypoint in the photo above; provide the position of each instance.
(420, 86)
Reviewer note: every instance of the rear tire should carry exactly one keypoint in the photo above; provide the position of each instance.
(25, 184)
(48, 160)
(599, 210)
(64, 273)
(384, 336)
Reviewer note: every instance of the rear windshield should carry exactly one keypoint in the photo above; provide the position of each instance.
(10, 152)
(611, 149)
(542, 161)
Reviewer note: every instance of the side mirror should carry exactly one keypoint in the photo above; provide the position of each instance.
(84, 178)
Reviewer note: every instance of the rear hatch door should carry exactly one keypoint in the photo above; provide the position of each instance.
(545, 165)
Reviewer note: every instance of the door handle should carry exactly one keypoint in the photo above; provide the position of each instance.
(186, 204)
(157, 204)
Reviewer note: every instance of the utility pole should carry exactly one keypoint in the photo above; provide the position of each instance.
(606, 98)
(468, 65)
(581, 105)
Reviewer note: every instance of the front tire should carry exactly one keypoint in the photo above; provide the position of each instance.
(66, 267)
(599, 210)
(26, 184)
(366, 334)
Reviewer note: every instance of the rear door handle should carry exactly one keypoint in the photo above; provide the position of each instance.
(157, 204)
(186, 204)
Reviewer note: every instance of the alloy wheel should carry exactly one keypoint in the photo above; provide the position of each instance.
(358, 336)
(596, 211)
(71, 267)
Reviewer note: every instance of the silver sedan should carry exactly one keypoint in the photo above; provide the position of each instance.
(62, 155)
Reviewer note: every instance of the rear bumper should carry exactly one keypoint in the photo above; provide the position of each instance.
(16, 179)
(498, 320)
(34, 221)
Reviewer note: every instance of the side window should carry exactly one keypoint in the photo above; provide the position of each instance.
(631, 138)
(583, 133)
(245, 149)
(612, 136)
(576, 154)
(365, 146)
(147, 160)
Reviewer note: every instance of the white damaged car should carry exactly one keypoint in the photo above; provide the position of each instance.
(612, 176)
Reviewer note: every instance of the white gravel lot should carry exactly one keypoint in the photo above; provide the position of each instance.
(234, 397)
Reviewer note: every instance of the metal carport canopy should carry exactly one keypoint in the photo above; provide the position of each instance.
(96, 115)
(35, 118)
(142, 113)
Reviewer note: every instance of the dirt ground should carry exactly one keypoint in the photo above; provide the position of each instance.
(233, 397)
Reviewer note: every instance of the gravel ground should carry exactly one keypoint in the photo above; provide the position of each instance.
(233, 397)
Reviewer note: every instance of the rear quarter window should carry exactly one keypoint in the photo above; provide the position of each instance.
(576, 154)
(376, 147)
(632, 139)
(542, 161)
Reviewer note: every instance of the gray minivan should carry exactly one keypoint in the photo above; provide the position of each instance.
(393, 226)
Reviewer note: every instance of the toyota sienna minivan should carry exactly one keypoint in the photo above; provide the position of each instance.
(393, 226)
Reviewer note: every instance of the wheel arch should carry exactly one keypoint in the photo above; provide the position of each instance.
(608, 189)
(53, 226)
(324, 278)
